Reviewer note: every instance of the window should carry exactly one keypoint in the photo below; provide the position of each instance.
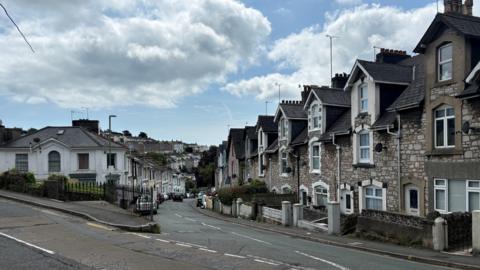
(315, 161)
(260, 165)
(286, 190)
(284, 163)
(111, 160)
(348, 202)
(54, 161)
(364, 146)
(373, 198)
(283, 128)
(473, 195)
(363, 100)
(315, 115)
(21, 162)
(445, 63)
(83, 161)
(445, 127)
(440, 195)
(321, 195)
(261, 138)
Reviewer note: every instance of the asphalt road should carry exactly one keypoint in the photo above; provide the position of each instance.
(34, 238)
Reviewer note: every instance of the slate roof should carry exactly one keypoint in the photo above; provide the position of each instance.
(473, 84)
(414, 95)
(74, 137)
(386, 119)
(466, 25)
(302, 138)
(267, 123)
(293, 110)
(341, 126)
(385, 72)
(272, 148)
(251, 133)
(332, 96)
(236, 137)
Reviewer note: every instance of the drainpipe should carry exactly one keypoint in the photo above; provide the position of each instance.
(298, 175)
(270, 172)
(398, 136)
(338, 167)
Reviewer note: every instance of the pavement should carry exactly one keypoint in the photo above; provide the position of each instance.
(99, 211)
(416, 254)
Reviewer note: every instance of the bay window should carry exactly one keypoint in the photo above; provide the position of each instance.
(444, 127)
(445, 62)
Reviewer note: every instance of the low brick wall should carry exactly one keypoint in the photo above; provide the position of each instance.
(395, 227)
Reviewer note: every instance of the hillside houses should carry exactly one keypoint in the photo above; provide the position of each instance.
(399, 134)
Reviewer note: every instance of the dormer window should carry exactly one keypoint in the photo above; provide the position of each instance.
(283, 128)
(315, 116)
(363, 98)
(445, 62)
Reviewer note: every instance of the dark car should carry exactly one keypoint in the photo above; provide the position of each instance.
(177, 197)
(160, 198)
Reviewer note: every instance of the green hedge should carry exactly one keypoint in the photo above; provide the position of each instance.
(16, 181)
(228, 194)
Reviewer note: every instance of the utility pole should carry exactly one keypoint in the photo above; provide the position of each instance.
(331, 37)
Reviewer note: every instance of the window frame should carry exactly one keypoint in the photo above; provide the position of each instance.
(362, 87)
(261, 163)
(17, 161)
(373, 197)
(444, 119)
(88, 161)
(283, 170)
(312, 158)
(471, 190)
(440, 187)
(114, 160)
(315, 114)
(441, 63)
(326, 194)
(362, 147)
(51, 169)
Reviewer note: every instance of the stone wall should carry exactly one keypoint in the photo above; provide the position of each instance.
(245, 211)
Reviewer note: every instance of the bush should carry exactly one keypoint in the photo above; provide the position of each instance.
(228, 194)
(58, 177)
(16, 181)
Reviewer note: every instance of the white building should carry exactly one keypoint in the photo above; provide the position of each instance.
(70, 151)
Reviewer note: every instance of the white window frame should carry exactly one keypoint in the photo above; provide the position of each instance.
(444, 62)
(286, 186)
(367, 147)
(22, 161)
(445, 189)
(374, 196)
(348, 191)
(445, 119)
(315, 114)
(363, 96)
(471, 190)
(312, 167)
(323, 186)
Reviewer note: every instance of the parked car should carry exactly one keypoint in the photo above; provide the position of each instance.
(177, 197)
(201, 200)
(144, 205)
(160, 198)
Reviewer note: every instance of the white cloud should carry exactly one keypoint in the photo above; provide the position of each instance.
(348, 2)
(307, 53)
(120, 53)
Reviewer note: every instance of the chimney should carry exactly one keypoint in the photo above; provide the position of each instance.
(340, 80)
(90, 125)
(456, 6)
(391, 56)
(305, 93)
(468, 8)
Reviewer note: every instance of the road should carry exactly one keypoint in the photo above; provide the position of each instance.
(34, 238)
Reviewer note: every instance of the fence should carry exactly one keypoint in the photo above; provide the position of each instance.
(272, 214)
(269, 199)
(459, 231)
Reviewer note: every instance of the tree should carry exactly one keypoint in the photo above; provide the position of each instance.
(189, 185)
(205, 174)
(127, 133)
(157, 157)
(31, 131)
(143, 135)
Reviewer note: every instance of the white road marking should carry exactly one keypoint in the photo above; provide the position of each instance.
(270, 263)
(234, 256)
(161, 240)
(207, 250)
(265, 259)
(216, 228)
(56, 200)
(322, 260)
(28, 244)
(191, 219)
(251, 238)
(183, 245)
(100, 226)
(141, 235)
(178, 215)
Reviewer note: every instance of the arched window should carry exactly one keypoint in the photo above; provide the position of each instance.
(53, 161)
(321, 195)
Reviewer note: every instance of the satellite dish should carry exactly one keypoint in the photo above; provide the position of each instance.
(466, 127)
(378, 147)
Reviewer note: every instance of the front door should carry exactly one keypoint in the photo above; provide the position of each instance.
(346, 201)
(412, 200)
(304, 197)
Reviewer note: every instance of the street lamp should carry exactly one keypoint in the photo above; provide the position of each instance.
(109, 158)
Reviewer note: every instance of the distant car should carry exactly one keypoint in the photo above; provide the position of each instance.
(177, 197)
(201, 200)
(160, 198)
(144, 205)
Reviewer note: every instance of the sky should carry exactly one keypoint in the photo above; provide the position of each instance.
(186, 70)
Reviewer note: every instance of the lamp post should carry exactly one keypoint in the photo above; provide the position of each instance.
(109, 157)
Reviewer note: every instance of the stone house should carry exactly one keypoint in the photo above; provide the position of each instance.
(267, 132)
(325, 106)
(251, 153)
(286, 171)
(221, 168)
(451, 48)
(236, 157)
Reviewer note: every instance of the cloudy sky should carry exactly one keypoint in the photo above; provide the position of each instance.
(185, 69)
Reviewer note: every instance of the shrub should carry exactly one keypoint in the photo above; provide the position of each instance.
(14, 180)
(30, 178)
(58, 177)
(228, 194)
